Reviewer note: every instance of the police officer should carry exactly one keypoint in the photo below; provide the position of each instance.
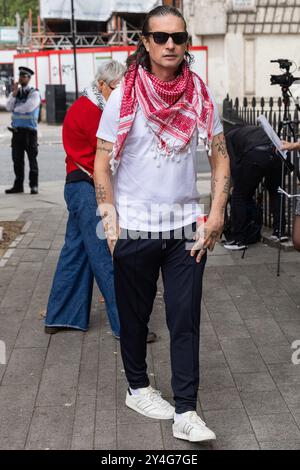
(24, 102)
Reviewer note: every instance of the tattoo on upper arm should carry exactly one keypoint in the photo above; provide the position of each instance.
(102, 147)
(100, 193)
(220, 145)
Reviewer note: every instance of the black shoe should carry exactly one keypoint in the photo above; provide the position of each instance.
(235, 246)
(34, 190)
(52, 330)
(151, 338)
(14, 191)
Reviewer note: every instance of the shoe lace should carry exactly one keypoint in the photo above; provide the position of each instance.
(155, 396)
(194, 418)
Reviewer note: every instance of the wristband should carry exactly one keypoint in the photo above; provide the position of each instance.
(202, 219)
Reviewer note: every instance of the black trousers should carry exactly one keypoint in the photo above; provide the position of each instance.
(137, 264)
(254, 166)
(25, 140)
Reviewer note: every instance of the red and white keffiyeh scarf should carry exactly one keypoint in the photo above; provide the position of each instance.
(172, 110)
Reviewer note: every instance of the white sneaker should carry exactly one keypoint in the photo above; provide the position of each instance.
(275, 237)
(150, 403)
(191, 428)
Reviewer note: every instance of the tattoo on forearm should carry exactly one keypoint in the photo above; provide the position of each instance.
(226, 188)
(100, 193)
(220, 145)
(213, 187)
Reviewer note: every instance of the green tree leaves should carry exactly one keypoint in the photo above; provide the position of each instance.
(9, 8)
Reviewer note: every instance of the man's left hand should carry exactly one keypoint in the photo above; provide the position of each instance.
(207, 235)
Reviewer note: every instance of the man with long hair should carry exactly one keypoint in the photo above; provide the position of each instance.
(148, 136)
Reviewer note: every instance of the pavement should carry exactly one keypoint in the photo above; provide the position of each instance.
(68, 391)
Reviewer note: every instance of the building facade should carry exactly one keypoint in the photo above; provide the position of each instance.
(242, 37)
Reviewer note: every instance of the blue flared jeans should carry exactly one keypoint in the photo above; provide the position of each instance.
(84, 256)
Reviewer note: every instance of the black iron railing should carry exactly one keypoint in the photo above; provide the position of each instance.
(247, 112)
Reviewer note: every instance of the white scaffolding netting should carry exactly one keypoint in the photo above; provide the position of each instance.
(93, 10)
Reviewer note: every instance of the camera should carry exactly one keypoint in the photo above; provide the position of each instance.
(285, 80)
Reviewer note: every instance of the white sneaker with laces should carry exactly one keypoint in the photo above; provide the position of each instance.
(190, 427)
(148, 402)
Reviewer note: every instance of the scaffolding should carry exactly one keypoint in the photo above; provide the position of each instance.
(42, 41)
(122, 29)
(118, 33)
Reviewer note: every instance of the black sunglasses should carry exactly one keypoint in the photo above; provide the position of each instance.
(162, 38)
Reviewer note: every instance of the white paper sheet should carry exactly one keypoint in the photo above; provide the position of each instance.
(262, 120)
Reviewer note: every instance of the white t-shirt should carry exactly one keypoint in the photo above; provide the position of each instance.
(152, 193)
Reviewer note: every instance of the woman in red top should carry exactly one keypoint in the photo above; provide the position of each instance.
(85, 254)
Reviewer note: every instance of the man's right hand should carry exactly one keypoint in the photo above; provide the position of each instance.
(112, 234)
(111, 245)
(15, 89)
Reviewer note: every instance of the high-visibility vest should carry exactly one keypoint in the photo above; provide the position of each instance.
(27, 120)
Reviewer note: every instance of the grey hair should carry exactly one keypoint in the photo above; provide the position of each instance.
(109, 72)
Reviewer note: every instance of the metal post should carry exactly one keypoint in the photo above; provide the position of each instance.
(282, 208)
(74, 48)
